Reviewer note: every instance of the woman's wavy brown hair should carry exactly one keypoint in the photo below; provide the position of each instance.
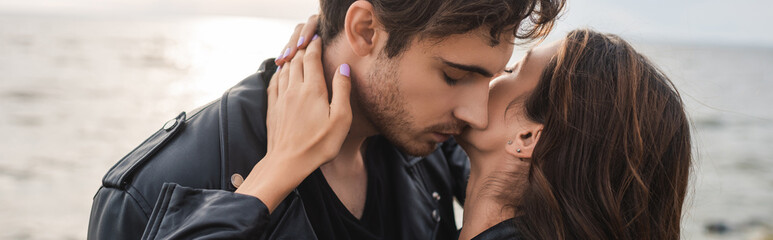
(613, 160)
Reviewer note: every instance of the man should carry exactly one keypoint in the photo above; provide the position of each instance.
(420, 73)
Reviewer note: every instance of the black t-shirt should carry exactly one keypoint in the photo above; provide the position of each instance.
(330, 218)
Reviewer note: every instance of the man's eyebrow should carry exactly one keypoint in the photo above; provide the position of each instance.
(469, 68)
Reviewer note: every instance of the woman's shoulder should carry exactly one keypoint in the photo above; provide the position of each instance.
(503, 230)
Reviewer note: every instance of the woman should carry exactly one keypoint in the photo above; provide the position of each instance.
(586, 140)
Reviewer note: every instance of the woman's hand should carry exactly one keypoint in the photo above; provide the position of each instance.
(301, 121)
(299, 40)
(304, 128)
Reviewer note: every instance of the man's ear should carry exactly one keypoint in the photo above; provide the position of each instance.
(361, 28)
(522, 145)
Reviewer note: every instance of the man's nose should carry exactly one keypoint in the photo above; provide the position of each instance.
(473, 108)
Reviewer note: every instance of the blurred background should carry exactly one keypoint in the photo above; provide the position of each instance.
(83, 82)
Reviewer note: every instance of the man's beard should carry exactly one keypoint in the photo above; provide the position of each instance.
(383, 104)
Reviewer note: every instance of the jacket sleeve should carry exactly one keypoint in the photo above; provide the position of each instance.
(186, 213)
(116, 214)
(180, 213)
(459, 165)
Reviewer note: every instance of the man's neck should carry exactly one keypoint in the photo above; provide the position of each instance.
(349, 160)
(346, 173)
(333, 55)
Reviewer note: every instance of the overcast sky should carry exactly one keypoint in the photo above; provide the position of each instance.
(741, 22)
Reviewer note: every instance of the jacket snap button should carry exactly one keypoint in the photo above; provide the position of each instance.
(170, 124)
(237, 180)
(436, 196)
(436, 216)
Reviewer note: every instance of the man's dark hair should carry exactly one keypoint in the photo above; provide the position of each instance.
(405, 19)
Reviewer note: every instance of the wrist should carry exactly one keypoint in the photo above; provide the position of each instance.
(273, 178)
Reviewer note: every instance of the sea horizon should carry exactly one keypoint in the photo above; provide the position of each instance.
(80, 91)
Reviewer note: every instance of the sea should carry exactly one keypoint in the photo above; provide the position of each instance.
(77, 93)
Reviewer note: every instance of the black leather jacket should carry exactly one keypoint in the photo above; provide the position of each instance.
(179, 183)
(505, 230)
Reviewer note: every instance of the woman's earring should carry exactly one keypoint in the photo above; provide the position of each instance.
(509, 142)
(518, 150)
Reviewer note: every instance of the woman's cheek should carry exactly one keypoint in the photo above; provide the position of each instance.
(493, 138)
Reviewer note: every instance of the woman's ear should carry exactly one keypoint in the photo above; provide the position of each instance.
(361, 28)
(522, 145)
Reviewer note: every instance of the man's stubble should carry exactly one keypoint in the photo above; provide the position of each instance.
(383, 104)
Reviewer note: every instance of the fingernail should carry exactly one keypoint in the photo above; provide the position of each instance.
(287, 53)
(345, 69)
(300, 41)
(315, 37)
(278, 68)
(281, 54)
